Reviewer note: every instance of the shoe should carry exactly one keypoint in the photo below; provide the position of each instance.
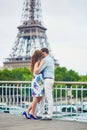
(46, 118)
(39, 117)
(25, 114)
(35, 118)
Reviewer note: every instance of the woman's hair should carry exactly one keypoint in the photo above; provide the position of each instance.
(37, 56)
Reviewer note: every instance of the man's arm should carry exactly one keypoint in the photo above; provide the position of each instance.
(42, 68)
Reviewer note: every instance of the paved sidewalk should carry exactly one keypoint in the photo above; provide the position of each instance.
(15, 122)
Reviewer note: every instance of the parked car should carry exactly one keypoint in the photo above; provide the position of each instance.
(25, 104)
(84, 106)
(66, 108)
(4, 108)
(15, 110)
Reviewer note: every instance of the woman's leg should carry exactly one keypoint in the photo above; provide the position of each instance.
(29, 109)
(34, 104)
(32, 107)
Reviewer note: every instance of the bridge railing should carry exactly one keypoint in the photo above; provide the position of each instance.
(15, 92)
(70, 98)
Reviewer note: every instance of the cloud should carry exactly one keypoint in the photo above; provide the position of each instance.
(70, 57)
(67, 33)
(66, 22)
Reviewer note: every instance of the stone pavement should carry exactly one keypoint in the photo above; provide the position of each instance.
(15, 122)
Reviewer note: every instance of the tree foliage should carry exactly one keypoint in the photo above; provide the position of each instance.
(62, 74)
(24, 74)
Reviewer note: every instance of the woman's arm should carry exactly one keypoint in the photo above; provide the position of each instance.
(38, 66)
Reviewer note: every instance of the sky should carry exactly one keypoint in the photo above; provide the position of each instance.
(66, 23)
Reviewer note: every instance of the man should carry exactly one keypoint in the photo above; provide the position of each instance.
(48, 72)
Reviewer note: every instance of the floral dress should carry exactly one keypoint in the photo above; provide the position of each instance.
(37, 85)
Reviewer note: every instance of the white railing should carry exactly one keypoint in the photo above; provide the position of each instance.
(70, 98)
(15, 92)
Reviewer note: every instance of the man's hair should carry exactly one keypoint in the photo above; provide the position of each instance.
(45, 50)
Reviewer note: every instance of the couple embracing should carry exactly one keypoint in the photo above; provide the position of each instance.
(42, 67)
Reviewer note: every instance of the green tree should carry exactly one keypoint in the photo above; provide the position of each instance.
(71, 76)
(17, 74)
(5, 74)
(62, 74)
(24, 74)
(83, 78)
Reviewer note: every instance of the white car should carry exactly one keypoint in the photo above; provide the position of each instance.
(64, 108)
(15, 110)
(84, 106)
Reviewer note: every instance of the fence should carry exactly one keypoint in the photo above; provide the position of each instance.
(70, 98)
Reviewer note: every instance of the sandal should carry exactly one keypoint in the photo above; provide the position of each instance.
(32, 117)
(25, 114)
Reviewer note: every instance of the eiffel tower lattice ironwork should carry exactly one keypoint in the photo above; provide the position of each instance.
(31, 36)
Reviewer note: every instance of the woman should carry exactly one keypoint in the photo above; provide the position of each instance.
(37, 84)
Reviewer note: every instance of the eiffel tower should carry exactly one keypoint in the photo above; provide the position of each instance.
(31, 36)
